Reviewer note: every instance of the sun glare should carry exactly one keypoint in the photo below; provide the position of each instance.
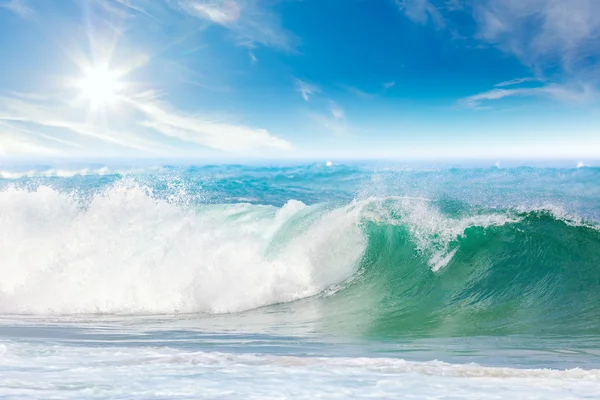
(100, 86)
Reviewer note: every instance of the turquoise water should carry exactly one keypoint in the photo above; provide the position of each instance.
(354, 280)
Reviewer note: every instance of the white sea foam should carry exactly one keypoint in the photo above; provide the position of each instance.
(54, 172)
(31, 371)
(125, 251)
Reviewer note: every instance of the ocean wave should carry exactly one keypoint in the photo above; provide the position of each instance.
(391, 265)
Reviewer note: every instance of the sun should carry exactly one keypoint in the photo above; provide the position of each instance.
(100, 86)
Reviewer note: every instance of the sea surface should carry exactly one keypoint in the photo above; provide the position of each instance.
(323, 280)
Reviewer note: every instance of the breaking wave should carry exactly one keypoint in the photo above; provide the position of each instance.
(393, 264)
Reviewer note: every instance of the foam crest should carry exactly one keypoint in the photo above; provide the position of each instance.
(125, 251)
(432, 232)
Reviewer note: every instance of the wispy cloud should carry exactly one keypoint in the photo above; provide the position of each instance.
(476, 101)
(17, 137)
(60, 116)
(217, 135)
(220, 12)
(330, 124)
(15, 141)
(517, 81)
(336, 110)
(334, 121)
(306, 89)
(542, 32)
(421, 11)
(136, 6)
(368, 95)
(359, 93)
(19, 7)
(567, 93)
(250, 21)
(63, 127)
(558, 40)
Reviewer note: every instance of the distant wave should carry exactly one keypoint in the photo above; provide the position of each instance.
(52, 172)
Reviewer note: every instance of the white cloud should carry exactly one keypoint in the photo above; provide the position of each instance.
(330, 124)
(567, 93)
(13, 141)
(359, 93)
(216, 135)
(421, 11)
(475, 101)
(56, 115)
(249, 21)
(306, 89)
(333, 122)
(133, 5)
(542, 32)
(337, 111)
(221, 12)
(58, 126)
(369, 95)
(47, 142)
(517, 81)
(559, 40)
(19, 7)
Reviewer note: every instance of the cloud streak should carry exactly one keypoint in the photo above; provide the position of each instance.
(29, 122)
(542, 34)
(19, 7)
(337, 111)
(517, 81)
(558, 40)
(306, 89)
(249, 21)
(566, 93)
(216, 135)
(219, 12)
(16, 141)
(421, 11)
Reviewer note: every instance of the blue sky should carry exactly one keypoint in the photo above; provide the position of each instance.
(400, 79)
